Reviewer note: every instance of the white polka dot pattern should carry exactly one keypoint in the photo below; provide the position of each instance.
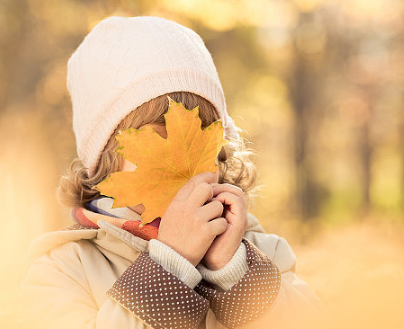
(251, 297)
(158, 297)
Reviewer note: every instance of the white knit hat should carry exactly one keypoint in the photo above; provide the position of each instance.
(126, 61)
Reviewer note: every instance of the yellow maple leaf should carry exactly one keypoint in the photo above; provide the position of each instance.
(163, 165)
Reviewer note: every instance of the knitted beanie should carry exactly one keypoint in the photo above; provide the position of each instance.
(126, 61)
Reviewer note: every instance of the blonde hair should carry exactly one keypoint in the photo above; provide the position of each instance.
(235, 166)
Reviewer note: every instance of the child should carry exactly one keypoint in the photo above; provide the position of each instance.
(206, 263)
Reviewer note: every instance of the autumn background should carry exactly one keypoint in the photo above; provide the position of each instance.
(318, 87)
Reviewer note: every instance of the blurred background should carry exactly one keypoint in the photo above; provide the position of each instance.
(317, 85)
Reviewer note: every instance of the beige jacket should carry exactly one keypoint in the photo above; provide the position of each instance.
(109, 278)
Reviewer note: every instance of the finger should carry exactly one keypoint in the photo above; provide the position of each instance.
(220, 188)
(213, 209)
(233, 201)
(218, 225)
(187, 188)
(226, 187)
(207, 177)
(200, 194)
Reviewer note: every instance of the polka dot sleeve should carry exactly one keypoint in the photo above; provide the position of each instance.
(251, 297)
(157, 297)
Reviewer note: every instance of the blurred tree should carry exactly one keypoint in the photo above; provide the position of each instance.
(305, 84)
(14, 23)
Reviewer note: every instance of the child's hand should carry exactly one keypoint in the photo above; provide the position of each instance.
(188, 226)
(225, 245)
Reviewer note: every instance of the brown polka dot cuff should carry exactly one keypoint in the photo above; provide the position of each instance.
(157, 297)
(251, 297)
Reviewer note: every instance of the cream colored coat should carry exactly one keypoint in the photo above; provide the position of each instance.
(72, 270)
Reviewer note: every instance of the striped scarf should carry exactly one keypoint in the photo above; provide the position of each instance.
(125, 218)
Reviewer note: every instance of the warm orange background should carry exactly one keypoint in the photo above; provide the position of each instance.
(316, 84)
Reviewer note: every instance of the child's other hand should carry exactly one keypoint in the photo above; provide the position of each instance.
(189, 225)
(225, 245)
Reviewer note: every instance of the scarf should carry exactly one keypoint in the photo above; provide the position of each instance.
(125, 218)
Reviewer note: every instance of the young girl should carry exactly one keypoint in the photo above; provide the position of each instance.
(206, 263)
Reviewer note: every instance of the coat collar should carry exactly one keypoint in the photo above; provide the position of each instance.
(108, 237)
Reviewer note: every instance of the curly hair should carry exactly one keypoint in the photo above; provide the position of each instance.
(235, 166)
